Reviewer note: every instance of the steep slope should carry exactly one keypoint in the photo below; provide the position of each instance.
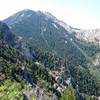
(46, 32)
(7, 36)
(42, 69)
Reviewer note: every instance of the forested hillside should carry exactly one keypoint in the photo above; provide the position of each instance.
(46, 32)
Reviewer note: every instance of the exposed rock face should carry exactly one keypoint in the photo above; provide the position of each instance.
(92, 35)
(11, 39)
(6, 34)
(37, 94)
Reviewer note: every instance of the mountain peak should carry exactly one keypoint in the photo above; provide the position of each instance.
(26, 11)
(28, 14)
(48, 15)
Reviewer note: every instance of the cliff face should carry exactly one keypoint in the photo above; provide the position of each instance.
(92, 35)
(6, 35)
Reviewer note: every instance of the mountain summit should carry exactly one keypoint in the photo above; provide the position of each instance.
(46, 32)
(40, 28)
(32, 19)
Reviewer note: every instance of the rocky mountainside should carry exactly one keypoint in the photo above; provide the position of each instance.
(21, 64)
(46, 32)
(42, 30)
(92, 35)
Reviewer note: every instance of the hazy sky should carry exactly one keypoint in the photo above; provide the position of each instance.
(77, 13)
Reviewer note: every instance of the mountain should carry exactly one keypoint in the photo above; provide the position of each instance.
(46, 32)
(43, 18)
(14, 68)
(43, 30)
(17, 68)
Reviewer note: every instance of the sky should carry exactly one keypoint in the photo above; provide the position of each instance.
(84, 14)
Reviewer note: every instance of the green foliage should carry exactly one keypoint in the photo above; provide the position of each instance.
(33, 98)
(69, 94)
(91, 98)
(10, 90)
(87, 83)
